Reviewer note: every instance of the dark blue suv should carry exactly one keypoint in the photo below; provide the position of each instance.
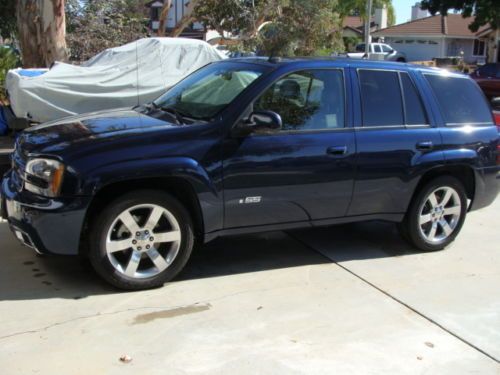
(250, 145)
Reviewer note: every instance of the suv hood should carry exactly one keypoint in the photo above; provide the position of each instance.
(57, 135)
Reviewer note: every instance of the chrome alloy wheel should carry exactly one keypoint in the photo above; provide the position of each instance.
(439, 214)
(143, 241)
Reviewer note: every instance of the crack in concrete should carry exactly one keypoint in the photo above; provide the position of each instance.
(159, 308)
(413, 309)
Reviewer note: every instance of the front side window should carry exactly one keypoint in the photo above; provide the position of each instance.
(376, 48)
(306, 100)
(460, 100)
(380, 98)
(209, 90)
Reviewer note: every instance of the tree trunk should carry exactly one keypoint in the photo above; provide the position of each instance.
(186, 20)
(42, 32)
(163, 17)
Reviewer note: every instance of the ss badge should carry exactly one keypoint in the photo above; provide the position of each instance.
(248, 200)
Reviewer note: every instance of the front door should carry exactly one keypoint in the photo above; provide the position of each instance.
(301, 172)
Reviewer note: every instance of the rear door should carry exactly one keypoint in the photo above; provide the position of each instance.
(303, 172)
(395, 141)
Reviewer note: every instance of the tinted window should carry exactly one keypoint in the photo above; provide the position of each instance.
(487, 70)
(376, 48)
(307, 100)
(380, 98)
(360, 48)
(414, 111)
(460, 100)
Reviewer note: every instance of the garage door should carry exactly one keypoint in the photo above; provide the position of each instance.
(418, 50)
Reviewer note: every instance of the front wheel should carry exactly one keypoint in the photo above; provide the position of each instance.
(141, 240)
(436, 214)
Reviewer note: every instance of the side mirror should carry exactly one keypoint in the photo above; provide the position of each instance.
(495, 104)
(265, 120)
(258, 120)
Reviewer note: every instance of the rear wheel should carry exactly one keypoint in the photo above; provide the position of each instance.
(436, 214)
(141, 240)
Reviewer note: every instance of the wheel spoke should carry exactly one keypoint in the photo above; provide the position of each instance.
(425, 218)
(447, 196)
(133, 263)
(128, 220)
(454, 210)
(157, 259)
(446, 227)
(167, 236)
(432, 232)
(118, 245)
(154, 218)
(433, 200)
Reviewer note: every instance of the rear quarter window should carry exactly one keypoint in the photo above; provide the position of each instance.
(460, 100)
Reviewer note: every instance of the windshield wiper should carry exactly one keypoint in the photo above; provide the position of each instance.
(176, 113)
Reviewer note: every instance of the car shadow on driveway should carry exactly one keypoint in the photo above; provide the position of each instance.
(27, 276)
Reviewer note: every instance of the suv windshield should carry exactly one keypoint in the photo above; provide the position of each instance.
(209, 90)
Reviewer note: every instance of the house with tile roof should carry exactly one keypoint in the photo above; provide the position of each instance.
(353, 26)
(443, 36)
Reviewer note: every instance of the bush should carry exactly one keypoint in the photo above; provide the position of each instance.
(8, 60)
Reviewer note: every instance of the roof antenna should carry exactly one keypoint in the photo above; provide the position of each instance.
(273, 58)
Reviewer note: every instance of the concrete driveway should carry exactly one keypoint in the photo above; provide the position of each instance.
(351, 299)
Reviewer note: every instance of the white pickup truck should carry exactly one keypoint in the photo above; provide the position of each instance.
(378, 50)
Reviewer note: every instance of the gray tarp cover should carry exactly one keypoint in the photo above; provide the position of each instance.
(125, 76)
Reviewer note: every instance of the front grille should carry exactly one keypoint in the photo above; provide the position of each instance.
(18, 167)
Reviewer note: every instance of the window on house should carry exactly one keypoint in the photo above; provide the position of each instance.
(479, 47)
(155, 14)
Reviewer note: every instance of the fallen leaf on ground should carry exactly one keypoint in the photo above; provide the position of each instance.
(126, 358)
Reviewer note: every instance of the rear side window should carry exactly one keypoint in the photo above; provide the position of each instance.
(414, 111)
(380, 98)
(460, 100)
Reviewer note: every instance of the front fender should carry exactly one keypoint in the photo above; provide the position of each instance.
(209, 198)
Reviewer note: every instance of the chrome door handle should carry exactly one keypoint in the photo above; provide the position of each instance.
(426, 145)
(336, 150)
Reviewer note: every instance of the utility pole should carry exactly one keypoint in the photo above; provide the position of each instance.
(367, 26)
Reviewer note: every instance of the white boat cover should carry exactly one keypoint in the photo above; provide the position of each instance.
(135, 73)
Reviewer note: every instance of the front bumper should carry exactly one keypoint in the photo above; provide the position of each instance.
(50, 226)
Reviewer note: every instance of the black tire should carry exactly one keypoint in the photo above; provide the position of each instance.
(410, 228)
(401, 60)
(104, 220)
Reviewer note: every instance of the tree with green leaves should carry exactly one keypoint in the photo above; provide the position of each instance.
(484, 11)
(8, 27)
(95, 25)
(358, 7)
(274, 27)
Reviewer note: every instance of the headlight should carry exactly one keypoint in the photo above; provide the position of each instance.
(44, 177)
